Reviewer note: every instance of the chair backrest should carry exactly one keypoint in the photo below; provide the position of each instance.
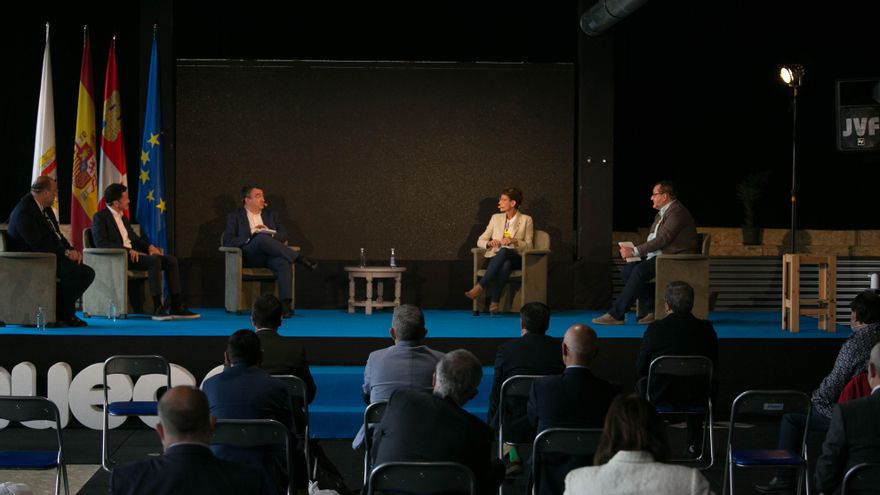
(704, 242)
(298, 390)
(250, 433)
(135, 366)
(372, 415)
(541, 240)
(3, 240)
(88, 239)
(28, 408)
(678, 366)
(517, 386)
(761, 407)
(421, 478)
(862, 478)
(573, 447)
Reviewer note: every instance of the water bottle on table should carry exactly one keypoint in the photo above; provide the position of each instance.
(40, 319)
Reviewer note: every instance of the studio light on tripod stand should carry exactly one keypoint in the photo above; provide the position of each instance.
(792, 75)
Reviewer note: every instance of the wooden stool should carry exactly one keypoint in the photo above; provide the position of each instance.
(824, 307)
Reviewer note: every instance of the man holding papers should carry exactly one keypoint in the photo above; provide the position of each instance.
(262, 239)
(673, 232)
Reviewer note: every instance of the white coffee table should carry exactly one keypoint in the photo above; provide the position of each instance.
(369, 274)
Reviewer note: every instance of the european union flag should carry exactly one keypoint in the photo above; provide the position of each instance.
(151, 203)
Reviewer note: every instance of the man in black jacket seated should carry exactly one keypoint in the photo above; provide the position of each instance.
(187, 464)
(854, 434)
(680, 333)
(434, 427)
(111, 229)
(34, 228)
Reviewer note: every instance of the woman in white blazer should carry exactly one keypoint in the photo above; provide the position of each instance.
(507, 235)
(629, 459)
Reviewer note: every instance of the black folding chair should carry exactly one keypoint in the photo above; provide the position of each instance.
(516, 387)
(256, 434)
(563, 448)
(372, 415)
(133, 366)
(417, 478)
(697, 371)
(299, 393)
(862, 479)
(22, 409)
(760, 409)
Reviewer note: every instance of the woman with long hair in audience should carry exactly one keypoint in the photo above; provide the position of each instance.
(631, 455)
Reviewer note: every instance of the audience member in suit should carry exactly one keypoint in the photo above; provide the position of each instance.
(507, 235)
(245, 229)
(187, 464)
(673, 232)
(851, 360)
(281, 355)
(407, 364)
(34, 228)
(434, 427)
(244, 391)
(854, 434)
(533, 353)
(680, 333)
(631, 455)
(574, 399)
(111, 229)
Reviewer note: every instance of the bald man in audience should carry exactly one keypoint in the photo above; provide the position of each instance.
(575, 399)
(187, 464)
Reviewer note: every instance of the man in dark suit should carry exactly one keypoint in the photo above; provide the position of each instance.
(262, 239)
(575, 399)
(434, 427)
(111, 229)
(187, 464)
(673, 232)
(533, 353)
(34, 228)
(854, 434)
(244, 391)
(680, 333)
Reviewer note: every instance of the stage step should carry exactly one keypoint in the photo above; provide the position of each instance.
(338, 408)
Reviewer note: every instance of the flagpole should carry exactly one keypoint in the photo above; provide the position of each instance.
(85, 34)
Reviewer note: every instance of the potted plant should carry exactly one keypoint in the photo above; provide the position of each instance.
(749, 191)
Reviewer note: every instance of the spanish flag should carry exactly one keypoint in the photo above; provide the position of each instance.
(84, 200)
(112, 163)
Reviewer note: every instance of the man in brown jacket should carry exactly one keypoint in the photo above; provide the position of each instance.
(673, 232)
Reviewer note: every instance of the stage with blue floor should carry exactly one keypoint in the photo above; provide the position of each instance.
(338, 343)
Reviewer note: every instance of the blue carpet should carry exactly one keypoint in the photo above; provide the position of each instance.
(440, 323)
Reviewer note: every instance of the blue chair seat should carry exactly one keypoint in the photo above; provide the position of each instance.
(28, 459)
(133, 408)
(766, 457)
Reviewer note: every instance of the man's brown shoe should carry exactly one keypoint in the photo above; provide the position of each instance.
(607, 319)
(648, 318)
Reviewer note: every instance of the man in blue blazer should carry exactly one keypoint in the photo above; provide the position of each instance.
(262, 239)
(34, 228)
(187, 464)
(111, 229)
(244, 391)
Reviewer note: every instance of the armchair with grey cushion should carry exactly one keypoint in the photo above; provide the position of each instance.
(27, 282)
(129, 290)
(528, 284)
(244, 285)
(690, 268)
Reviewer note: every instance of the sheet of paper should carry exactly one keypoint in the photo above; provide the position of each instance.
(627, 244)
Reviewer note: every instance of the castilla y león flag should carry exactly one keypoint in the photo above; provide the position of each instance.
(44, 137)
(84, 200)
(112, 162)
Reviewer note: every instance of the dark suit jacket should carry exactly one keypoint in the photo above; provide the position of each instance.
(853, 438)
(574, 399)
(286, 356)
(106, 234)
(185, 469)
(531, 354)
(30, 231)
(420, 426)
(247, 392)
(238, 229)
(677, 233)
(680, 334)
